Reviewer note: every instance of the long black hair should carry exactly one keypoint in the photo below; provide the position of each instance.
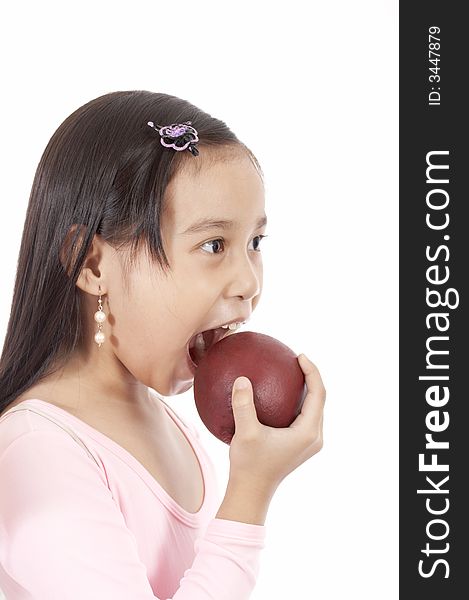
(105, 171)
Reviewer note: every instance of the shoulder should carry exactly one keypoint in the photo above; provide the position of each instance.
(29, 435)
(57, 512)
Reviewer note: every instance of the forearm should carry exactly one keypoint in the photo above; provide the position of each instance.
(245, 502)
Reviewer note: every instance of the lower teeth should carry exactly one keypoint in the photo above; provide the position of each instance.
(200, 342)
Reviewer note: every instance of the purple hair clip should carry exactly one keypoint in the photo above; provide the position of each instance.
(178, 136)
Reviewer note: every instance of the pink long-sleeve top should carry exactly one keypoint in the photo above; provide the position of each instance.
(80, 517)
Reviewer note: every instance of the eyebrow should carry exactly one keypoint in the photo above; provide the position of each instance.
(206, 224)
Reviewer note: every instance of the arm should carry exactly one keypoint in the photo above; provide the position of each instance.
(63, 536)
(245, 503)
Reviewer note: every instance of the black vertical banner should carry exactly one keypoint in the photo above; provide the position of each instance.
(434, 320)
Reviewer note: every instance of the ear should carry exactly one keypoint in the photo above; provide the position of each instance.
(90, 277)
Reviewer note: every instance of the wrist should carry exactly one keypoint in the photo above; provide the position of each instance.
(245, 501)
(251, 485)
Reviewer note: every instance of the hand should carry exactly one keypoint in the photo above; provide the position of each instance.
(266, 455)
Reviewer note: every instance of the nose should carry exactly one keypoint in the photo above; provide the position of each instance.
(245, 278)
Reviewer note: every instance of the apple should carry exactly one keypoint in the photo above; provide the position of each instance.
(272, 367)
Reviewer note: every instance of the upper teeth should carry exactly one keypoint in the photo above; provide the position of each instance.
(232, 326)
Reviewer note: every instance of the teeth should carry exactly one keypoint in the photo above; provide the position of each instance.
(233, 326)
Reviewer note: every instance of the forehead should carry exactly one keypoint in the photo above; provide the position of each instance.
(227, 187)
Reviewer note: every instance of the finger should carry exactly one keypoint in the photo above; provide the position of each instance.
(242, 403)
(315, 398)
(312, 376)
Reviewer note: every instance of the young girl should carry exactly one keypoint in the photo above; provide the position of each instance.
(143, 229)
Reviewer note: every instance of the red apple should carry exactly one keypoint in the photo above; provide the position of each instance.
(271, 366)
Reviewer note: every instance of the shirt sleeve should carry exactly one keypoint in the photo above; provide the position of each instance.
(63, 537)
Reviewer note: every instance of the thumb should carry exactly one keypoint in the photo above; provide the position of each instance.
(242, 400)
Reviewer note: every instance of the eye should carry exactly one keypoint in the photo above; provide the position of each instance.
(221, 241)
(260, 238)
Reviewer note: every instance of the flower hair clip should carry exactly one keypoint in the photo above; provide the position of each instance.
(178, 136)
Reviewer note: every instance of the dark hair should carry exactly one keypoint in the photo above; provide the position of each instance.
(105, 171)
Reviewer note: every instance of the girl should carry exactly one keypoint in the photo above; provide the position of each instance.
(143, 229)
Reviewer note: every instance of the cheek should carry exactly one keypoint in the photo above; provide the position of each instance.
(143, 312)
(199, 279)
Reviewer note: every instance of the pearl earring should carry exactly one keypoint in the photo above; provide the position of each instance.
(99, 317)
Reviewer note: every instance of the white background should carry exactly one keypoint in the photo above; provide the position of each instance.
(311, 88)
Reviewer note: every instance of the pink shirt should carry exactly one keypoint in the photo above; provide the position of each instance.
(80, 517)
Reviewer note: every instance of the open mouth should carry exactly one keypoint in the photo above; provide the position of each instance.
(201, 343)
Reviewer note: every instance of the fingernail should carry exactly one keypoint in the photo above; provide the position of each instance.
(242, 383)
